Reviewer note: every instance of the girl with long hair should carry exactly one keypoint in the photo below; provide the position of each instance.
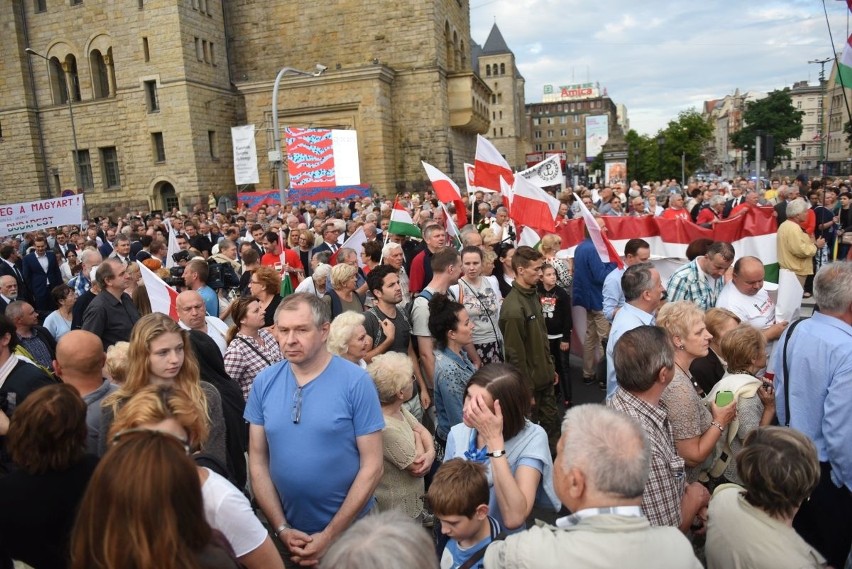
(157, 355)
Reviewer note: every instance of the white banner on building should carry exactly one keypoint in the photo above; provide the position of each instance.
(597, 134)
(34, 216)
(548, 172)
(245, 155)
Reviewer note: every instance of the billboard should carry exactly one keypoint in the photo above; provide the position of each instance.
(574, 92)
(597, 134)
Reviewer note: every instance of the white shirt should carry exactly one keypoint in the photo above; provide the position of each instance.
(227, 510)
(757, 310)
(42, 260)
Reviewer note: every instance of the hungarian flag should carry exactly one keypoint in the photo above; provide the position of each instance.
(447, 191)
(844, 66)
(490, 167)
(163, 297)
(532, 206)
(606, 251)
(401, 222)
(356, 243)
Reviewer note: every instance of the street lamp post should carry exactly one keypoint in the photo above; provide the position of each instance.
(661, 140)
(636, 163)
(279, 156)
(70, 90)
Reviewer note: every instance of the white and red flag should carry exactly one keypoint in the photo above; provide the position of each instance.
(532, 206)
(447, 191)
(606, 251)
(490, 167)
(163, 297)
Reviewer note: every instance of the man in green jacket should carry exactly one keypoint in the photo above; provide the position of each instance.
(525, 340)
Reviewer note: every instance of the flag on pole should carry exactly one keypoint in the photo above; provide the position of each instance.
(355, 242)
(490, 167)
(451, 227)
(469, 180)
(529, 238)
(606, 251)
(401, 222)
(172, 246)
(532, 206)
(844, 65)
(546, 173)
(446, 190)
(163, 297)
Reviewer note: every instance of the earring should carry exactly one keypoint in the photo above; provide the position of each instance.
(681, 347)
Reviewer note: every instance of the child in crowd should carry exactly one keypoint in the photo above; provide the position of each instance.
(556, 308)
(459, 498)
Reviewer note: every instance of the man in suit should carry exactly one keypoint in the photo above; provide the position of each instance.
(738, 198)
(41, 273)
(62, 245)
(10, 264)
(8, 291)
(330, 234)
(107, 248)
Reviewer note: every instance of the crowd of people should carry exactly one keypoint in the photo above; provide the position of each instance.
(408, 401)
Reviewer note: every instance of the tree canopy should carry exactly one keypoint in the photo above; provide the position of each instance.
(775, 115)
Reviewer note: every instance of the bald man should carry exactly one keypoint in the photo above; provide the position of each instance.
(79, 362)
(746, 297)
(193, 316)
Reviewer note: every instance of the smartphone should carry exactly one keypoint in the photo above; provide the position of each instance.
(724, 398)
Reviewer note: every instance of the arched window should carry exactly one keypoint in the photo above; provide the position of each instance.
(456, 53)
(100, 79)
(463, 57)
(448, 40)
(488, 70)
(74, 78)
(502, 69)
(58, 85)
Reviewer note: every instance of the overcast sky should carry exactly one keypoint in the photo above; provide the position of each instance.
(659, 57)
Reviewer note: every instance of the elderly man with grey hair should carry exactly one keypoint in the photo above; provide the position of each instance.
(712, 214)
(112, 314)
(796, 249)
(644, 367)
(600, 472)
(394, 256)
(813, 386)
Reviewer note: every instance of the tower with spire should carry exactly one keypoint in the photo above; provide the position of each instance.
(495, 63)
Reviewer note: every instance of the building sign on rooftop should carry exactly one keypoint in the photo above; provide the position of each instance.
(573, 92)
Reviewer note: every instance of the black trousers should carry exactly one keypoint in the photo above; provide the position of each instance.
(560, 362)
(825, 521)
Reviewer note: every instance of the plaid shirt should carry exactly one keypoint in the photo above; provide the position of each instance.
(665, 487)
(689, 283)
(244, 358)
(81, 284)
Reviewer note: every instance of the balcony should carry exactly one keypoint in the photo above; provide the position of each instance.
(469, 98)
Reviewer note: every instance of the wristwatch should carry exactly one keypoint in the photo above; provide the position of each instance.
(496, 453)
(281, 528)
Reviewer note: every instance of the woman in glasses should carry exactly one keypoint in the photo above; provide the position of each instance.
(226, 509)
(157, 356)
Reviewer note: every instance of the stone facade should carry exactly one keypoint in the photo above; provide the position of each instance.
(836, 151)
(508, 131)
(155, 86)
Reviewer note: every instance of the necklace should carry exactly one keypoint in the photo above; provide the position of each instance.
(695, 385)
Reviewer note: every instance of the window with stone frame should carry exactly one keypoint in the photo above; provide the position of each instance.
(84, 164)
(109, 163)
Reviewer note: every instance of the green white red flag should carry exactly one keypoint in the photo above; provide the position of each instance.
(401, 222)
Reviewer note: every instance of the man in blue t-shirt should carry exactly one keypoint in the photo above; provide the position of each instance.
(195, 277)
(315, 435)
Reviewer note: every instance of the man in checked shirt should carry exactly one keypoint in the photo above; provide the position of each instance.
(644, 366)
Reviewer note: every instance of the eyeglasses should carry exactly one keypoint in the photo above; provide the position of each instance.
(296, 414)
(152, 432)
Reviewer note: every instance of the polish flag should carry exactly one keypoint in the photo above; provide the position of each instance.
(447, 191)
(172, 245)
(532, 206)
(606, 251)
(490, 167)
(163, 297)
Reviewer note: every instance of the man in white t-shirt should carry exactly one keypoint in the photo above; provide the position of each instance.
(746, 297)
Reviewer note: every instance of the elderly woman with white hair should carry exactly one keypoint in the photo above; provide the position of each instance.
(316, 284)
(342, 296)
(348, 338)
(796, 249)
(408, 447)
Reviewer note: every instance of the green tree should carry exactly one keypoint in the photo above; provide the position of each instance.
(773, 115)
(687, 137)
(847, 130)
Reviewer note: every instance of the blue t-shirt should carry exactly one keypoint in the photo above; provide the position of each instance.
(211, 300)
(455, 555)
(314, 462)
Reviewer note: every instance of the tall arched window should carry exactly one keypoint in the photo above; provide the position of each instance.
(74, 79)
(58, 85)
(488, 70)
(448, 40)
(100, 79)
(502, 69)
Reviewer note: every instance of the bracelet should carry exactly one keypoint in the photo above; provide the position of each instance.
(281, 528)
(496, 453)
(718, 426)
